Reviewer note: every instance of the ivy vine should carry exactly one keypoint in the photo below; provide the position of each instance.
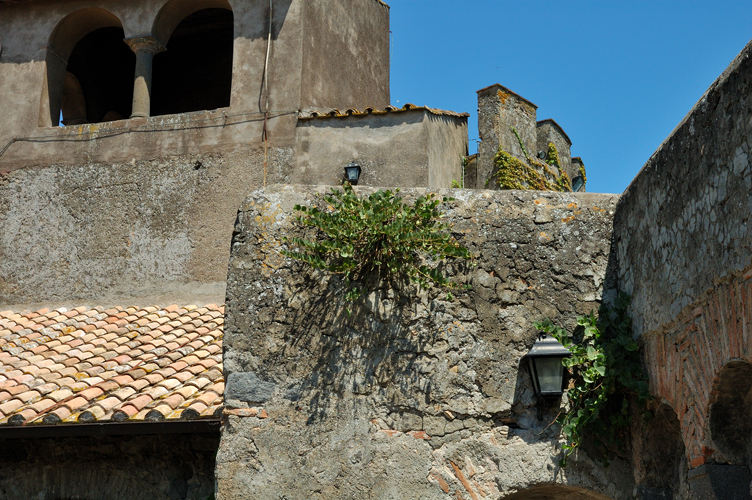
(358, 237)
(606, 374)
(514, 173)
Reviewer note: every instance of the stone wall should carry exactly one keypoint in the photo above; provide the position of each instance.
(138, 467)
(500, 109)
(684, 252)
(411, 395)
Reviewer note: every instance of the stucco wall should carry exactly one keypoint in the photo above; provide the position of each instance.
(340, 68)
(684, 252)
(156, 230)
(345, 54)
(412, 148)
(411, 396)
(139, 467)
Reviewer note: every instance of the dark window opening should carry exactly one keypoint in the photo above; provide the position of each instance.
(195, 72)
(101, 69)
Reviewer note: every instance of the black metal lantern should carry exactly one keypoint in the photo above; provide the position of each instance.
(546, 368)
(352, 173)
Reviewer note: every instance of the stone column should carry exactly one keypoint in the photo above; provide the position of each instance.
(145, 48)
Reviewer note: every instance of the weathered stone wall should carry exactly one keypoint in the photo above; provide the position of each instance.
(414, 148)
(684, 252)
(550, 132)
(151, 467)
(156, 231)
(412, 395)
(500, 109)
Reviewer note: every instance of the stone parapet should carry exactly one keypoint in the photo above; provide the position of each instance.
(411, 395)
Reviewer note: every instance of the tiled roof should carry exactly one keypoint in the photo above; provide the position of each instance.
(119, 364)
(335, 113)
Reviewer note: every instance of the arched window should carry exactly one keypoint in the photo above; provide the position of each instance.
(195, 72)
(89, 70)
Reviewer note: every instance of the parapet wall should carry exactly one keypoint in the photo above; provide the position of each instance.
(412, 395)
(682, 223)
(684, 252)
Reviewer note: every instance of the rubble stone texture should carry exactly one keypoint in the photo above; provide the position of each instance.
(411, 395)
(684, 251)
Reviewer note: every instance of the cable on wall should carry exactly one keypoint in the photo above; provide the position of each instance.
(266, 90)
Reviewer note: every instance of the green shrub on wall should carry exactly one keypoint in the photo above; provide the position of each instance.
(514, 173)
(606, 375)
(377, 236)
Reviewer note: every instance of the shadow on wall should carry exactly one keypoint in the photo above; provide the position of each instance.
(335, 358)
(731, 414)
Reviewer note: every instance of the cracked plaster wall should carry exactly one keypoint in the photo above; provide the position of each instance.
(152, 231)
(412, 395)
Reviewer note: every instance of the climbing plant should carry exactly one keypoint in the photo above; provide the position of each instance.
(606, 374)
(358, 237)
(514, 173)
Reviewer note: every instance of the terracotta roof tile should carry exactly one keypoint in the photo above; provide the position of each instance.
(91, 364)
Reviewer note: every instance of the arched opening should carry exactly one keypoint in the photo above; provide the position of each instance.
(195, 72)
(89, 70)
(556, 492)
(731, 414)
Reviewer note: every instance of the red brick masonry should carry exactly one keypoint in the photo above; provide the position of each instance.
(685, 358)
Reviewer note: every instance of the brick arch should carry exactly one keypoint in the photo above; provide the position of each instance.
(685, 360)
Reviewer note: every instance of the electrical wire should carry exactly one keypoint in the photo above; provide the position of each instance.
(87, 135)
(266, 89)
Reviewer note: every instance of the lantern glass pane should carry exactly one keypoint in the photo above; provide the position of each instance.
(550, 374)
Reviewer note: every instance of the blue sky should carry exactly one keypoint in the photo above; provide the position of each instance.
(617, 76)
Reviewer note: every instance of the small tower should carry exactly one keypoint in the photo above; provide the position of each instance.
(499, 111)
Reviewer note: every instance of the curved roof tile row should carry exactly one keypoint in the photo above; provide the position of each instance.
(119, 364)
(336, 113)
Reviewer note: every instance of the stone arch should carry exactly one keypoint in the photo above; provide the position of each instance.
(195, 72)
(175, 11)
(555, 492)
(730, 414)
(64, 39)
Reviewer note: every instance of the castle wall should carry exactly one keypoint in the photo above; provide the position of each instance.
(412, 395)
(153, 231)
(414, 148)
(684, 250)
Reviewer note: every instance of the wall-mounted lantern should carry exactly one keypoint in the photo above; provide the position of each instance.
(546, 368)
(352, 173)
